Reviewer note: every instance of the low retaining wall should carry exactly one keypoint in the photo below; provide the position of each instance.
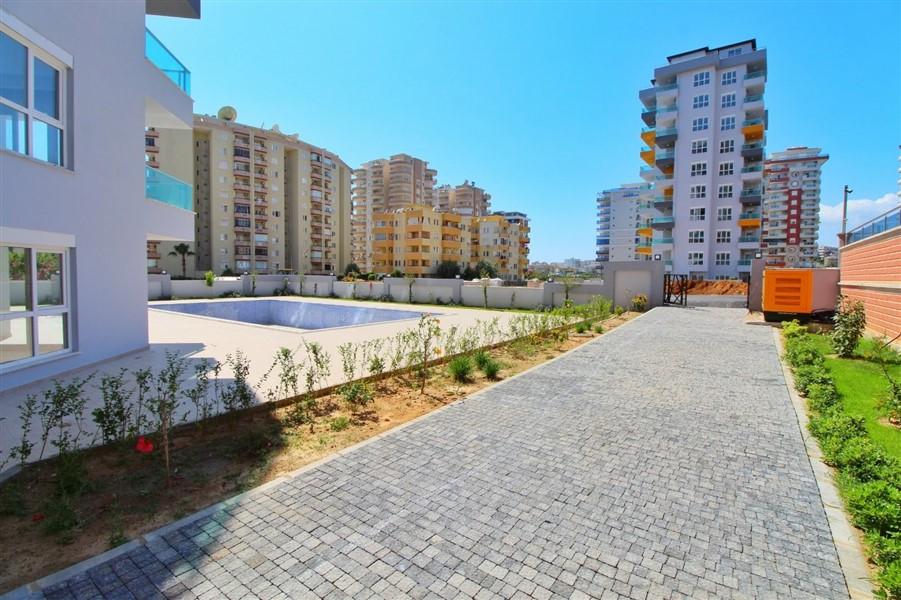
(621, 282)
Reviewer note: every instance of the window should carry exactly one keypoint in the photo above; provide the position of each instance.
(727, 123)
(701, 79)
(727, 168)
(730, 77)
(723, 236)
(733, 52)
(722, 259)
(30, 100)
(697, 214)
(34, 307)
(699, 124)
(724, 213)
(700, 101)
(727, 146)
(699, 147)
(698, 168)
(696, 236)
(724, 191)
(728, 101)
(696, 258)
(697, 192)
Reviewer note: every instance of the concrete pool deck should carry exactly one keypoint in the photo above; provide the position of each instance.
(196, 338)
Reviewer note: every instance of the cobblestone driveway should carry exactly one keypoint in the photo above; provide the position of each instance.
(662, 461)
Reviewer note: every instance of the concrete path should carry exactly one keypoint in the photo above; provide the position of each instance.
(662, 461)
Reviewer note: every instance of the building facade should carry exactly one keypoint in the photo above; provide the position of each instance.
(705, 135)
(465, 199)
(79, 202)
(383, 186)
(267, 202)
(623, 223)
(791, 207)
(417, 238)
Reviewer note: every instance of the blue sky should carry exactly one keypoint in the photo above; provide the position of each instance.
(537, 102)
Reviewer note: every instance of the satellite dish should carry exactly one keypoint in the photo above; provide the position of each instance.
(227, 113)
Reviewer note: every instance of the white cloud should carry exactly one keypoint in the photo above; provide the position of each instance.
(859, 212)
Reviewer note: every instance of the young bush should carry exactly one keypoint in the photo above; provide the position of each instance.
(862, 459)
(834, 430)
(639, 303)
(460, 369)
(599, 328)
(890, 579)
(874, 506)
(113, 416)
(209, 278)
(793, 330)
(884, 550)
(811, 374)
(822, 396)
(481, 358)
(850, 320)
(357, 395)
(491, 369)
(581, 327)
(339, 423)
(801, 351)
(618, 310)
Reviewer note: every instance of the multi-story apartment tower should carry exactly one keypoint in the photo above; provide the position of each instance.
(623, 228)
(500, 242)
(267, 202)
(465, 199)
(381, 186)
(518, 229)
(791, 209)
(705, 136)
(417, 238)
(78, 201)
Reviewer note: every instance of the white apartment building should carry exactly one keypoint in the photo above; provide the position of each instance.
(623, 231)
(81, 81)
(705, 137)
(791, 207)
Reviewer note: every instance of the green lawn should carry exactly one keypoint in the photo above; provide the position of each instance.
(861, 385)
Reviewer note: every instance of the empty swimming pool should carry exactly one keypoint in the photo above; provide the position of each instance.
(285, 313)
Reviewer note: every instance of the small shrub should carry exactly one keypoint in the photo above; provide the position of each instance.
(808, 375)
(491, 369)
(599, 328)
(801, 351)
(884, 549)
(619, 310)
(834, 430)
(209, 277)
(481, 358)
(861, 459)
(460, 369)
(890, 580)
(822, 396)
(850, 320)
(581, 327)
(793, 330)
(639, 303)
(356, 394)
(874, 505)
(339, 423)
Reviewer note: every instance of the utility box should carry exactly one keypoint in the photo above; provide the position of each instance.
(799, 293)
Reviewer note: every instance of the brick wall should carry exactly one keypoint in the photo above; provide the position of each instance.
(871, 273)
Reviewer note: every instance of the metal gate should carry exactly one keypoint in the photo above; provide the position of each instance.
(674, 289)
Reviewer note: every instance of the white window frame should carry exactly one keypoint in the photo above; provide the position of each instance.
(698, 169)
(37, 46)
(724, 213)
(35, 312)
(696, 236)
(700, 124)
(697, 192)
(727, 168)
(729, 78)
(700, 101)
(723, 236)
(699, 146)
(730, 119)
(701, 79)
(728, 100)
(727, 146)
(722, 189)
(695, 217)
(722, 259)
(696, 259)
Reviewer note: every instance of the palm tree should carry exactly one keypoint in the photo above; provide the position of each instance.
(183, 250)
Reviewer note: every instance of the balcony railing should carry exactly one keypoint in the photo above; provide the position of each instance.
(749, 215)
(754, 169)
(166, 62)
(883, 222)
(165, 188)
(753, 98)
(755, 74)
(662, 221)
(668, 131)
(666, 88)
(752, 122)
(748, 238)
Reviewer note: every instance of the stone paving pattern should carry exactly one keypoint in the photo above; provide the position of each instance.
(662, 461)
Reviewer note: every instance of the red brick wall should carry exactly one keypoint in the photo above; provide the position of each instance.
(871, 273)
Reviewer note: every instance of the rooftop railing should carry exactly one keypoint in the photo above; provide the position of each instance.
(884, 222)
(165, 61)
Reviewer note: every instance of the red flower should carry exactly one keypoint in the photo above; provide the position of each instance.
(144, 446)
(37, 517)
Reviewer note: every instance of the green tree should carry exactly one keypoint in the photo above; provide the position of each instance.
(486, 269)
(447, 269)
(351, 268)
(184, 251)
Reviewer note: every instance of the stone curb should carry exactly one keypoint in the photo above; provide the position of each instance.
(28, 590)
(846, 538)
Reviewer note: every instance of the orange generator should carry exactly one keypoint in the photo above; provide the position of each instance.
(799, 293)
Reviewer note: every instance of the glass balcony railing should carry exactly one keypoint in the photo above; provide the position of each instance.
(166, 62)
(664, 154)
(744, 262)
(666, 88)
(752, 122)
(668, 131)
(751, 192)
(755, 74)
(753, 169)
(883, 222)
(753, 98)
(663, 221)
(663, 240)
(666, 109)
(165, 188)
(749, 215)
(748, 238)
(754, 146)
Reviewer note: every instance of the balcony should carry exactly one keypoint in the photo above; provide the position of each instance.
(647, 155)
(752, 173)
(165, 61)
(648, 135)
(662, 222)
(752, 77)
(169, 207)
(752, 129)
(664, 202)
(643, 249)
(649, 116)
(753, 151)
(662, 241)
(753, 102)
(665, 138)
(665, 159)
(644, 231)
